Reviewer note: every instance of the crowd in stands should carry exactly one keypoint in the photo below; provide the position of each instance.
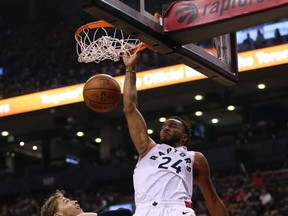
(260, 41)
(257, 194)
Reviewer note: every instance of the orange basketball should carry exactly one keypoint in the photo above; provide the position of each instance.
(102, 93)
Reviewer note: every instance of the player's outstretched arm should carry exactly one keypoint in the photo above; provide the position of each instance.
(203, 180)
(136, 123)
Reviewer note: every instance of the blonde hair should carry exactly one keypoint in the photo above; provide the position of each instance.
(50, 207)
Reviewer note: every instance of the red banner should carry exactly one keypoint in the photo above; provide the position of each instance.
(184, 14)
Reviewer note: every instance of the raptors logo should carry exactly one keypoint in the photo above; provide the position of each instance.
(187, 12)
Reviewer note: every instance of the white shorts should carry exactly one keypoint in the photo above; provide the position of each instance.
(164, 208)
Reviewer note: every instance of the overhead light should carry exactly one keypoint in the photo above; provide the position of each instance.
(198, 97)
(198, 113)
(21, 143)
(4, 133)
(150, 131)
(98, 140)
(162, 119)
(261, 86)
(214, 120)
(80, 134)
(231, 108)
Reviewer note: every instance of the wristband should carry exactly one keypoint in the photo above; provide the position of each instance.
(130, 70)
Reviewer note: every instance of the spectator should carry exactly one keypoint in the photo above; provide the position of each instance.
(277, 37)
(248, 43)
(260, 40)
(229, 197)
(265, 197)
(258, 180)
(241, 195)
(253, 198)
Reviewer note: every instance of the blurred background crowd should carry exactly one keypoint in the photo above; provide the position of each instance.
(38, 53)
(258, 193)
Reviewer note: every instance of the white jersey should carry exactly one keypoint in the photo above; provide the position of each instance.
(165, 173)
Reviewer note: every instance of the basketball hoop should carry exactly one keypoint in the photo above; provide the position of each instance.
(98, 41)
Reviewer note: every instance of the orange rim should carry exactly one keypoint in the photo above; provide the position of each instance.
(93, 25)
(103, 24)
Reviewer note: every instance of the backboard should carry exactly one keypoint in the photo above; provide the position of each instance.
(183, 27)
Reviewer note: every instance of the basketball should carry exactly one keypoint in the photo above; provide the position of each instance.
(102, 93)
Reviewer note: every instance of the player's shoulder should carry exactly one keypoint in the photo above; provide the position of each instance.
(200, 159)
(192, 153)
(199, 154)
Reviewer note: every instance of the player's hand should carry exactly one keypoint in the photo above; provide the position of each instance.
(131, 61)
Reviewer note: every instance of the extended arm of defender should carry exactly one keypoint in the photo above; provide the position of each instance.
(136, 123)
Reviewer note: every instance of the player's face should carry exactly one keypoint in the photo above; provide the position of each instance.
(171, 132)
(67, 207)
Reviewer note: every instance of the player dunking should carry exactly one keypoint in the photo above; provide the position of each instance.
(164, 175)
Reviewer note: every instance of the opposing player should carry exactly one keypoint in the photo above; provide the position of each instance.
(58, 205)
(165, 172)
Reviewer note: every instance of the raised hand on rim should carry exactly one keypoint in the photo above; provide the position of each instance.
(131, 61)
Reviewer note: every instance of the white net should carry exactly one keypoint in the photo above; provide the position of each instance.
(101, 43)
